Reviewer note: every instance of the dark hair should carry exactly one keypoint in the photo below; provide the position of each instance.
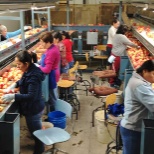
(122, 29)
(65, 34)
(57, 35)
(147, 65)
(114, 21)
(24, 56)
(46, 37)
(34, 57)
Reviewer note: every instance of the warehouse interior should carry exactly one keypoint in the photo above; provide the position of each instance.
(91, 127)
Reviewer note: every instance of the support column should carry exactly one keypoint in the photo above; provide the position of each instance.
(68, 14)
(120, 11)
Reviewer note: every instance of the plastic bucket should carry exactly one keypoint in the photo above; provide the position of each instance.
(58, 119)
(103, 131)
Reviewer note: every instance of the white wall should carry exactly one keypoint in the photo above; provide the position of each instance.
(11, 25)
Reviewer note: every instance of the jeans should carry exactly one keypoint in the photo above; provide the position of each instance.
(65, 69)
(131, 141)
(34, 123)
(71, 64)
(53, 96)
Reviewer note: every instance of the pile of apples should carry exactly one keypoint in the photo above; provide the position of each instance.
(138, 56)
(140, 29)
(9, 77)
(31, 32)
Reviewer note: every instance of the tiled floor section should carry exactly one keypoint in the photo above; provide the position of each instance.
(84, 139)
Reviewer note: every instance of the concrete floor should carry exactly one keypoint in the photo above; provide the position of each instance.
(84, 140)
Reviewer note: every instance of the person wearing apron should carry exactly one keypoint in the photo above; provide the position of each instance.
(50, 65)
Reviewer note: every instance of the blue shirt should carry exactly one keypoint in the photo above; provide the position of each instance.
(12, 34)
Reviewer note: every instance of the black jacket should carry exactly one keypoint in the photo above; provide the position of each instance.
(30, 98)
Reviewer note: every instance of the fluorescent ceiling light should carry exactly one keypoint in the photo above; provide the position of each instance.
(38, 8)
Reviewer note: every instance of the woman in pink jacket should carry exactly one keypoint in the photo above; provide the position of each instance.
(50, 65)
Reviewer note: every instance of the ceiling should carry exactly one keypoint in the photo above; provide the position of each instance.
(18, 5)
(26, 1)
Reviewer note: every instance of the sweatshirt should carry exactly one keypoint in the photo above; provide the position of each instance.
(111, 32)
(51, 61)
(68, 44)
(139, 102)
(120, 43)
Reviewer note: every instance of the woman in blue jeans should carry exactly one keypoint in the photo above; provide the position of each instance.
(139, 103)
(30, 99)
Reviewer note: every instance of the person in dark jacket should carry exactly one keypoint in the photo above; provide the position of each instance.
(30, 99)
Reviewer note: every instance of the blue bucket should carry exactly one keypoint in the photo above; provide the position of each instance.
(57, 118)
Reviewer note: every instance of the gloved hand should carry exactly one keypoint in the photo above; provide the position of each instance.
(36, 64)
(8, 97)
(27, 27)
(10, 88)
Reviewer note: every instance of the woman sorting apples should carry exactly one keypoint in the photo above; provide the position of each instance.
(139, 105)
(111, 32)
(119, 45)
(68, 44)
(50, 65)
(30, 99)
(64, 66)
(6, 35)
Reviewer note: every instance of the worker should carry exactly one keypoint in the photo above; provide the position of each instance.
(111, 32)
(30, 99)
(119, 45)
(68, 44)
(139, 104)
(50, 65)
(6, 35)
(64, 66)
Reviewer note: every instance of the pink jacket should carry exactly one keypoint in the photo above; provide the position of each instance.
(51, 61)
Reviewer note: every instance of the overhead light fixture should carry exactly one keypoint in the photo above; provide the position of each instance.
(146, 7)
(35, 7)
(46, 7)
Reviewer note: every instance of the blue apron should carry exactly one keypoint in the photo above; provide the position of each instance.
(52, 74)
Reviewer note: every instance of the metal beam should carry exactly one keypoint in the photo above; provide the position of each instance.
(68, 14)
(82, 28)
(22, 29)
(120, 12)
(9, 18)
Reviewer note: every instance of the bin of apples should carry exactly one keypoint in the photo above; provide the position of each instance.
(2, 92)
(7, 78)
(138, 56)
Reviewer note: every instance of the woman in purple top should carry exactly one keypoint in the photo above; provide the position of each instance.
(50, 65)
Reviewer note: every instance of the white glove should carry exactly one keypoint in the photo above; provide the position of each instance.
(10, 88)
(36, 64)
(8, 98)
(27, 27)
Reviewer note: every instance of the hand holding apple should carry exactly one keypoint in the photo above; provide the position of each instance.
(10, 88)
